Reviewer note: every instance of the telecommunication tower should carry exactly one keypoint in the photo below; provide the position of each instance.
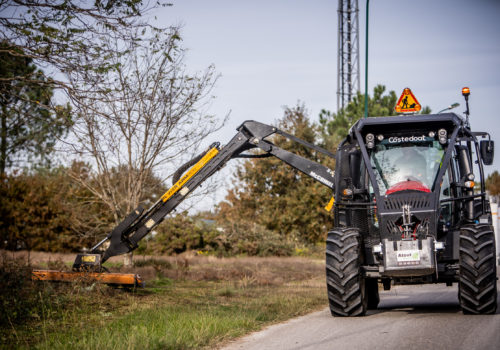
(348, 52)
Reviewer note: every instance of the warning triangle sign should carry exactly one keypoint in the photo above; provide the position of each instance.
(407, 103)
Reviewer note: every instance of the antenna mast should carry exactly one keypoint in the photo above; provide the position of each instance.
(348, 52)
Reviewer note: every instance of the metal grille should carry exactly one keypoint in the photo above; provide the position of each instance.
(415, 201)
(363, 218)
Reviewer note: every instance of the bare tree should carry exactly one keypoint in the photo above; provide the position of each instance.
(61, 35)
(138, 117)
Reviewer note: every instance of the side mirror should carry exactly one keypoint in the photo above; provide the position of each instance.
(487, 149)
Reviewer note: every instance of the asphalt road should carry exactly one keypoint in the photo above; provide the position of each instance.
(408, 317)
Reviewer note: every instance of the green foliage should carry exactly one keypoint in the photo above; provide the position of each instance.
(46, 210)
(183, 233)
(493, 183)
(425, 110)
(176, 235)
(29, 125)
(21, 299)
(335, 126)
(43, 211)
(274, 195)
(68, 37)
(246, 238)
(67, 34)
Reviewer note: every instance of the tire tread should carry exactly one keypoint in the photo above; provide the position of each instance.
(343, 270)
(478, 286)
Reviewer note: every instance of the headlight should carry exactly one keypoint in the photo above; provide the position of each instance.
(370, 141)
(443, 136)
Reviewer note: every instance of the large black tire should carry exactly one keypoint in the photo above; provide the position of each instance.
(344, 278)
(371, 292)
(478, 280)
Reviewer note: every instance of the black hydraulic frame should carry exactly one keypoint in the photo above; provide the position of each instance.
(251, 135)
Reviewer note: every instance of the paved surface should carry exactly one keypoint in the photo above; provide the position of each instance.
(409, 317)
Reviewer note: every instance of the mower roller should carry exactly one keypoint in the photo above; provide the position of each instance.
(126, 280)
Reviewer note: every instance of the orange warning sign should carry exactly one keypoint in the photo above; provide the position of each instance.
(407, 103)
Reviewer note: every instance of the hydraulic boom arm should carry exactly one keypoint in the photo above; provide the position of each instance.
(251, 134)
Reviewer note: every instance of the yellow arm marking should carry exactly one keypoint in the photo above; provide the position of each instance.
(197, 167)
(329, 206)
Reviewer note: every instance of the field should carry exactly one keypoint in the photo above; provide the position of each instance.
(189, 302)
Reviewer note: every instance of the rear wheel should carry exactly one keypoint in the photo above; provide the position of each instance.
(477, 286)
(345, 282)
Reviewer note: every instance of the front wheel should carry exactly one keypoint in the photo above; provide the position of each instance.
(345, 282)
(478, 280)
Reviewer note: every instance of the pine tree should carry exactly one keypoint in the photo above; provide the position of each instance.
(493, 183)
(28, 127)
(278, 197)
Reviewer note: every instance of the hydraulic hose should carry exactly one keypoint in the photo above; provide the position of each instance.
(177, 175)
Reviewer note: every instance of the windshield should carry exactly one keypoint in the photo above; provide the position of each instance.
(396, 162)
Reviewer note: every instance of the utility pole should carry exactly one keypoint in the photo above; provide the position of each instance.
(366, 58)
(348, 52)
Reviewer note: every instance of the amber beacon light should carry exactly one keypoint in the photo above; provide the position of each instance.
(465, 94)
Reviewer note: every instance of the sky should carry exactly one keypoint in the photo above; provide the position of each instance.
(277, 53)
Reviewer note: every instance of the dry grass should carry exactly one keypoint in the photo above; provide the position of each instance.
(41, 259)
(262, 271)
(266, 271)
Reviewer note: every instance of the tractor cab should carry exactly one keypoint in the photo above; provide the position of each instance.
(425, 163)
(401, 161)
(408, 181)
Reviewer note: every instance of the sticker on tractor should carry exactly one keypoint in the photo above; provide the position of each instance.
(407, 103)
(88, 258)
(408, 257)
(421, 138)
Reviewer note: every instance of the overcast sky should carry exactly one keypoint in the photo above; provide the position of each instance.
(275, 53)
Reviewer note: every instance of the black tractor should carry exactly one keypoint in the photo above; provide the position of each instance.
(411, 208)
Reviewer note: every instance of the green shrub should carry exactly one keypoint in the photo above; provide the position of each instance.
(22, 299)
(246, 238)
(176, 235)
(47, 211)
(183, 233)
